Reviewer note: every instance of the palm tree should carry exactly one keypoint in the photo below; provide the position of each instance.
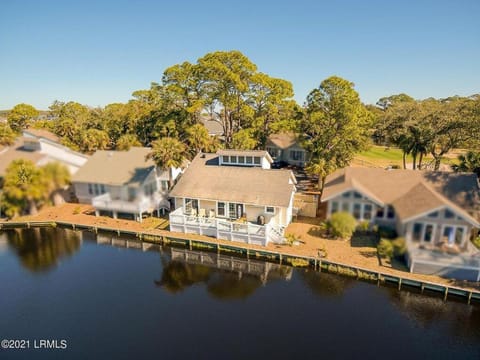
(469, 162)
(167, 153)
(56, 177)
(198, 138)
(23, 187)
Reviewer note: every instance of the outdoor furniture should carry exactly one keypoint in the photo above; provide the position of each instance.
(211, 213)
(202, 213)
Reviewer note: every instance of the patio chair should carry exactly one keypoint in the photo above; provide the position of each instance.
(211, 213)
(202, 213)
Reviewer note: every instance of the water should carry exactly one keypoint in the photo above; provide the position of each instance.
(111, 302)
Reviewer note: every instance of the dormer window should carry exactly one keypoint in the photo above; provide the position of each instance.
(249, 159)
(233, 159)
(241, 159)
(225, 158)
(256, 160)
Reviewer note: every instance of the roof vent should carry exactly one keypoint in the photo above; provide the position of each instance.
(203, 156)
(110, 154)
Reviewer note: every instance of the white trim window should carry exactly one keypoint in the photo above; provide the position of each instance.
(297, 155)
(269, 210)
(221, 209)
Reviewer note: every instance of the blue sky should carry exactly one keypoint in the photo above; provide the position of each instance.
(98, 52)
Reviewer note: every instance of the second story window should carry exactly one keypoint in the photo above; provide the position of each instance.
(256, 160)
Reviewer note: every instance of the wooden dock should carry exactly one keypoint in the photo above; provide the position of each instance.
(165, 237)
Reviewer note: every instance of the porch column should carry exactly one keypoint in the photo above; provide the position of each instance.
(115, 214)
(97, 213)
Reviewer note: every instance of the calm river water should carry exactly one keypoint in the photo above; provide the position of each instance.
(123, 303)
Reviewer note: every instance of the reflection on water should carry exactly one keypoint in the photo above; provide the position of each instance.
(169, 291)
(325, 284)
(225, 277)
(427, 311)
(41, 249)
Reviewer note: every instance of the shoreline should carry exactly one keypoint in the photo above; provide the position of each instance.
(282, 254)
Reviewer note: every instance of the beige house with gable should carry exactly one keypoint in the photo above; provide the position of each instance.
(234, 195)
(436, 212)
(123, 183)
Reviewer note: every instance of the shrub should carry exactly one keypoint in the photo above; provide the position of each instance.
(363, 226)
(342, 225)
(399, 247)
(385, 248)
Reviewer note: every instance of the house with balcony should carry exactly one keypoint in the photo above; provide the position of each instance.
(286, 148)
(436, 212)
(234, 195)
(123, 183)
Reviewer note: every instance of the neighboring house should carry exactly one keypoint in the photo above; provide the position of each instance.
(234, 195)
(123, 183)
(40, 147)
(285, 147)
(436, 212)
(214, 127)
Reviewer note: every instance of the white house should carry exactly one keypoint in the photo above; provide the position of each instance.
(234, 195)
(123, 183)
(436, 212)
(41, 147)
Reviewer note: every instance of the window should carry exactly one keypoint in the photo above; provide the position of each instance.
(346, 207)
(273, 152)
(428, 233)
(190, 205)
(102, 188)
(459, 236)
(433, 214)
(150, 188)
(270, 210)
(417, 231)
(449, 214)
(225, 158)
(90, 189)
(296, 155)
(233, 159)
(357, 211)
(380, 212)
(357, 195)
(367, 211)
(235, 211)
(256, 160)
(164, 185)
(241, 159)
(97, 189)
(346, 194)
(249, 159)
(221, 209)
(132, 193)
(390, 212)
(334, 207)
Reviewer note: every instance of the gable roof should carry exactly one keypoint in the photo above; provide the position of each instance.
(17, 151)
(42, 133)
(205, 179)
(116, 167)
(412, 193)
(284, 140)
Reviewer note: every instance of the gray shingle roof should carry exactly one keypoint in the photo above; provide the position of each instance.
(205, 179)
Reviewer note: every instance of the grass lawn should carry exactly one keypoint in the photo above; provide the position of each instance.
(381, 156)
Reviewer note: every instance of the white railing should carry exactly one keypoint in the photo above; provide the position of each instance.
(139, 205)
(252, 231)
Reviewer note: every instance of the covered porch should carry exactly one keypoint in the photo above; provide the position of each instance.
(136, 207)
(258, 229)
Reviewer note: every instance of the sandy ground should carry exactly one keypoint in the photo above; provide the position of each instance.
(345, 252)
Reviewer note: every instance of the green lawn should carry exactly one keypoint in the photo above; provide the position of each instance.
(381, 156)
